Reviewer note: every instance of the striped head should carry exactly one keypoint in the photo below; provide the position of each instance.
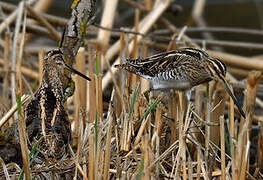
(54, 61)
(216, 68)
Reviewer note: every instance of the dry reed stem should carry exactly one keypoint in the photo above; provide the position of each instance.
(173, 111)
(146, 157)
(148, 4)
(198, 162)
(218, 110)
(141, 129)
(134, 78)
(232, 134)
(181, 135)
(91, 160)
(14, 52)
(41, 56)
(123, 136)
(6, 67)
(79, 145)
(207, 128)
(164, 154)
(91, 94)
(144, 26)
(13, 109)
(252, 84)
(24, 147)
(107, 21)
(42, 20)
(222, 140)
(82, 172)
(107, 157)
(80, 93)
(20, 55)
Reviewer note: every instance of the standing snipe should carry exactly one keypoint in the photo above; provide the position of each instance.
(45, 114)
(180, 69)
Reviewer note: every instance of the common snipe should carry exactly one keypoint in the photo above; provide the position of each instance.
(45, 114)
(180, 69)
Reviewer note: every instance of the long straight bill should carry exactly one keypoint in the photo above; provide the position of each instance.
(233, 97)
(77, 72)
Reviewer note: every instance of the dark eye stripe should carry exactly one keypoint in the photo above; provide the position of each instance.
(221, 66)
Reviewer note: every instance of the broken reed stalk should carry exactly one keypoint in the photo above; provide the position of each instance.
(80, 94)
(222, 140)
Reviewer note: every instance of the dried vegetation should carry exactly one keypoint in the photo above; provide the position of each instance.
(119, 129)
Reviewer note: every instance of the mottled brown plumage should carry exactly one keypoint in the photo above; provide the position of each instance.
(45, 114)
(180, 69)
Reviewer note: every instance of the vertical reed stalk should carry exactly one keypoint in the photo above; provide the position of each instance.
(91, 156)
(80, 94)
(232, 136)
(6, 67)
(108, 141)
(79, 144)
(217, 111)
(41, 56)
(135, 78)
(23, 139)
(198, 162)
(222, 140)
(91, 99)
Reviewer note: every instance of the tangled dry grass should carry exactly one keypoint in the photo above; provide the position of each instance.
(121, 130)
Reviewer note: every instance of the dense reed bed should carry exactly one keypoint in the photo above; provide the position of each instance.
(120, 129)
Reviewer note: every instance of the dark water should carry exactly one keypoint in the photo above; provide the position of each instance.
(222, 13)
